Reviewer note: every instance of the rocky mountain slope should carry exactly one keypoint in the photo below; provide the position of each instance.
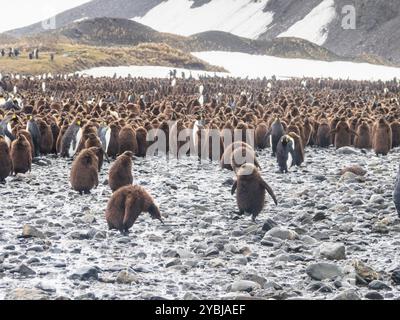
(319, 21)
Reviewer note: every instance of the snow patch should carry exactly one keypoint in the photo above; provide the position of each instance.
(243, 65)
(81, 19)
(314, 26)
(145, 72)
(244, 18)
(257, 66)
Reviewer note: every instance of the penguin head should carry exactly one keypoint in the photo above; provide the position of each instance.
(92, 136)
(247, 170)
(128, 154)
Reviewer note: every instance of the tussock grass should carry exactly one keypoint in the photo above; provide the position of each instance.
(74, 57)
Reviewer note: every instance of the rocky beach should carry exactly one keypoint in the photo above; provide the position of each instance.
(330, 237)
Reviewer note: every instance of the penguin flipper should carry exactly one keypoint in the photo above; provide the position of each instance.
(234, 187)
(269, 190)
(9, 135)
(293, 154)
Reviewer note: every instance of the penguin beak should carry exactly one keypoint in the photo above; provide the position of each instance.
(162, 221)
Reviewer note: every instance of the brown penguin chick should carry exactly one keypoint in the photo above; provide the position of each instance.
(395, 126)
(363, 138)
(308, 131)
(261, 141)
(21, 155)
(120, 173)
(87, 130)
(332, 124)
(298, 149)
(113, 145)
(29, 138)
(382, 137)
(99, 152)
(55, 130)
(64, 128)
(46, 137)
(92, 141)
(127, 140)
(84, 172)
(342, 135)
(353, 124)
(126, 205)
(164, 128)
(5, 160)
(141, 138)
(250, 187)
(323, 137)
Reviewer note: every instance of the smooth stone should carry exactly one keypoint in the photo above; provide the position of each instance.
(373, 295)
(333, 251)
(378, 199)
(85, 273)
(190, 297)
(26, 294)
(29, 231)
(347, 151)
(216, 263)
(126, 277)
(322, 271)
(23, 270)
(244, 285)
(396, 276)
(378, 285)
(269, 224)
(212, 251)
(173, 262)
(350, 295)
(282, 233)
(45, 287)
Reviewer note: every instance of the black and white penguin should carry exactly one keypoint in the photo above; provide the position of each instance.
(33, 128)
(71, 139)
(104, 133)
(285, 153)
(275, 134)
(6, 129)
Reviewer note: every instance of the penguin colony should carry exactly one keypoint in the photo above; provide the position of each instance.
(92, 120)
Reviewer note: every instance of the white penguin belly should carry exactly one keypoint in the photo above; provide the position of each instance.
(108, 138)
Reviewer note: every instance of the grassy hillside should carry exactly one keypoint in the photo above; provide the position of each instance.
(74, 57)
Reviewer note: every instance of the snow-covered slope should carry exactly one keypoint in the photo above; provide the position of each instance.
(253, 66)
(19, 13)
(244, 18)
(376, 37)
(314, 27)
